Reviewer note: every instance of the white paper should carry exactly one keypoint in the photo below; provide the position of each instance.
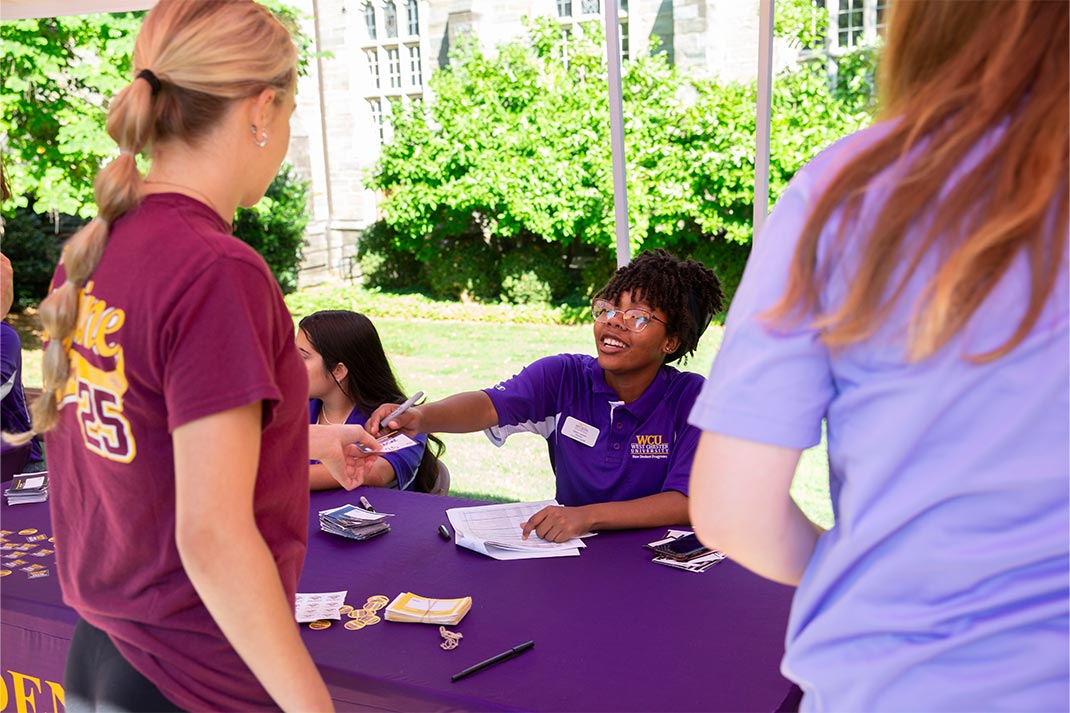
(322, 605)
(494, 530)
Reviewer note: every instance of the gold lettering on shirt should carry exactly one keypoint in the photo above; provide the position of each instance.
(98, 389)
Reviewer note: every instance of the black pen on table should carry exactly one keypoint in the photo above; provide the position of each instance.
(503, 656)
(367, 505)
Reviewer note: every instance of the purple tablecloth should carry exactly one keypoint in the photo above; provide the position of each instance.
(612, 631)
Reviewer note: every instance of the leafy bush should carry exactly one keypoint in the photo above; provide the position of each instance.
(275, 227)
(33, 243)
(464, 268)
(383, 263)
(534, 271)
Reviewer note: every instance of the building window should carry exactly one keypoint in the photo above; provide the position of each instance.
(854, 23)
(850, 25)
(373, 67)
(369, 20)
(390, 18)
(393, 67)
(377, 117)
(624, 41)
(416, 75)
(590, 7)
(412, 13)
(564, 8)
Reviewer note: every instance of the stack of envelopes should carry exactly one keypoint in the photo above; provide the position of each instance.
(354, 522)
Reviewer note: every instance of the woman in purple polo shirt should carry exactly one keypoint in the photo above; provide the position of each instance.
(616, 425)
(911, 287)
(349, 376)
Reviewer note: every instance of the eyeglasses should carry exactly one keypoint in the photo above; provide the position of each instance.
(635, 320)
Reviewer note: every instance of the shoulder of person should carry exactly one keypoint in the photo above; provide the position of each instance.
(822, 168)
(688, 382)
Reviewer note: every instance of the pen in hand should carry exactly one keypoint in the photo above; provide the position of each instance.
(503, 656)
(401, 409)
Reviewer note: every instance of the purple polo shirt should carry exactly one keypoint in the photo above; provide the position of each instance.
(943, 584)
(405, 462)
(631, 450)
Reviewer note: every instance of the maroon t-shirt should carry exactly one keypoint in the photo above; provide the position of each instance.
(179, 321)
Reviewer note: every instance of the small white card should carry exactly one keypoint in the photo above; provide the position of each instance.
(323, 605)
(579, 431)
(393, 441)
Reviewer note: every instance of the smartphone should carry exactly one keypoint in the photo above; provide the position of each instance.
(682, 548)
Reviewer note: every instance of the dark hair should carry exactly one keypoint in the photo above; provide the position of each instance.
(350, 338)
(686, 291)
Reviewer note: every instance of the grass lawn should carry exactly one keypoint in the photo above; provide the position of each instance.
(444, 357)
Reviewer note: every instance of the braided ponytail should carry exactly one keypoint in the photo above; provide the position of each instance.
(192, 59)
(117, 189)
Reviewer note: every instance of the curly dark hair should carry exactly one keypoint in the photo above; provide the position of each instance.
(686, 291)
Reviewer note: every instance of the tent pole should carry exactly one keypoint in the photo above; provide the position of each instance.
(766, 9)
(616, 132)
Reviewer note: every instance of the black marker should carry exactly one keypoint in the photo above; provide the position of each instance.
(444, 532)
(503, 656)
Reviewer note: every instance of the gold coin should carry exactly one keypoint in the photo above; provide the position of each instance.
(376, 603)
(345, 609)
(371, 620)
(51, 539)
(28, 531)
(362, 614)
(4, 572)
(355, 613)
(354, 625)
(320, 625)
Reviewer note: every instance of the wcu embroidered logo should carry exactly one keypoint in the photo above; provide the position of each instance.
(649, 446)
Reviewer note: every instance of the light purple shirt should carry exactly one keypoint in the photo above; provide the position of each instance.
(944, 582)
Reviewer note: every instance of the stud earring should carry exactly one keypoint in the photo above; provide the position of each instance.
(263, 136)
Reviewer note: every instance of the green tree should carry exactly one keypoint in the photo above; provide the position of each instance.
(516, 146)
(58, 75)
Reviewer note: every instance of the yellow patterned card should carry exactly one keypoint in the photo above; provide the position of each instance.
(409, 607)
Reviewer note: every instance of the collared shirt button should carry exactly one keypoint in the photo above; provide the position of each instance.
(616, 446)
(619, 425)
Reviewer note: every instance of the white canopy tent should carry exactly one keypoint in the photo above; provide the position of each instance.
(19, 9)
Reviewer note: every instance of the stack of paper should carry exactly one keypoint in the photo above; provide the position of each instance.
(354, 522)
(409, 607)
(28, 488)
(696, 564)
(494, 530)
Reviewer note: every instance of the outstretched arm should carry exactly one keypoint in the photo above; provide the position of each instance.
(461, 413)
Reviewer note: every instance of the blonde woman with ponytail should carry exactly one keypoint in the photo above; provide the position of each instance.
(911, 291)
(174, 397)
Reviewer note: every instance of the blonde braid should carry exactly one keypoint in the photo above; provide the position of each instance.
(117, 189)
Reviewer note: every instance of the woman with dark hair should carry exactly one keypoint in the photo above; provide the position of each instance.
(911, 290)
(349, 376)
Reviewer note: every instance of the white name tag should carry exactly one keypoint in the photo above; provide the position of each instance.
(579, 431)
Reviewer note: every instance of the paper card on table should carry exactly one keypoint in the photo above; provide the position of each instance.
(322, 605)
(494, 530)
(412, 608)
